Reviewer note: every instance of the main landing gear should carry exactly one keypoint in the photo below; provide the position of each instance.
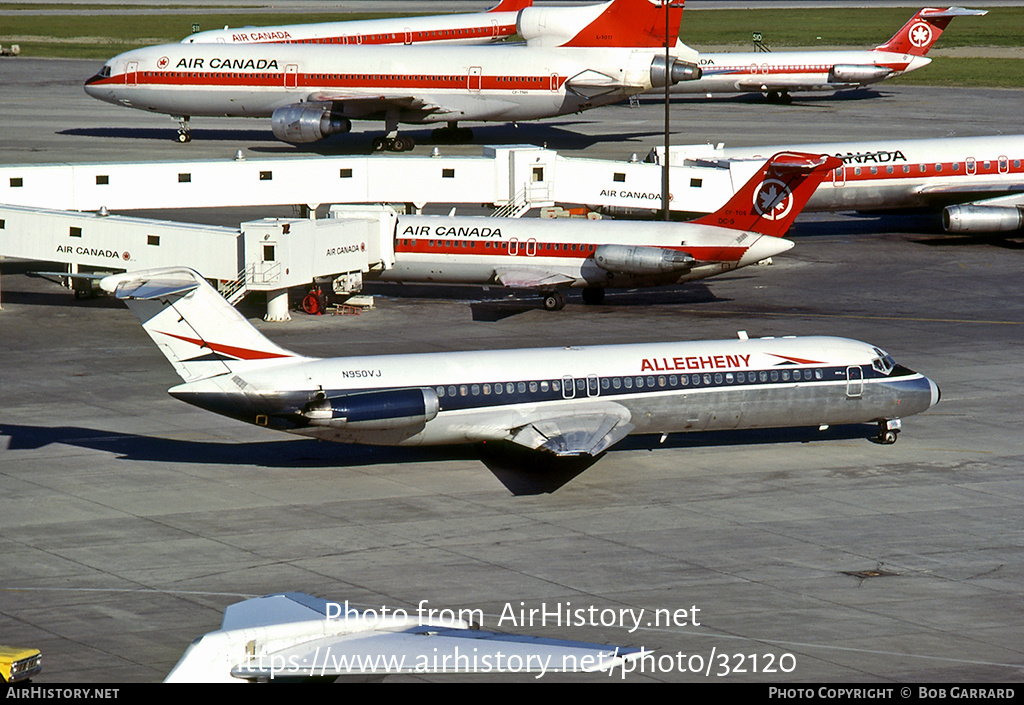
(888, 431)
(398, 143)
(554, 301)
(779, 97)
(184, 134)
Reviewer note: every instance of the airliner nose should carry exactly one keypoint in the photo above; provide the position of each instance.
(936, 393)
(764, 247)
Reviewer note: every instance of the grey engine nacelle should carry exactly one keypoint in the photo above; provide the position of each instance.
(982, 219)
(637, 259)
(854, 73)
(677, 71)
(395, 408)
(307, 123)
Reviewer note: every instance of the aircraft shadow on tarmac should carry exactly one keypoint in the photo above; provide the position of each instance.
(358, 143)
(800, 98)
(520, 470)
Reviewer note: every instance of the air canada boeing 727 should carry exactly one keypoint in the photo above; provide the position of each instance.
(569, 401)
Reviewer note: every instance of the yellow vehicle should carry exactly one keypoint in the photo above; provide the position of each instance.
(18, 664)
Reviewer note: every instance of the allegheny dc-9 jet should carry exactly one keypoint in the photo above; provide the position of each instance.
(571, 401)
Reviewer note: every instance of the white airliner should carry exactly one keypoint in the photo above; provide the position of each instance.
(297, 637)
(618, 23)
(494, 25)
(311, 92)
(522, 253)
(567, 401)
(777, 74)
(978, 181)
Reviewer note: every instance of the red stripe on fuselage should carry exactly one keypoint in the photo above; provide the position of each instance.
(526, 248)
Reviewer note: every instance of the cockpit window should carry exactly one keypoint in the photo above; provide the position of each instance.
(105, 71)
(883, 363)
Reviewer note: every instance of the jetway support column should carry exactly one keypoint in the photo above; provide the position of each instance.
(277, 306)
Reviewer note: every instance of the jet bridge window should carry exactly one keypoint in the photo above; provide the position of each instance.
(345, 174)
(696, 183)
(447, 173)
(74, 231)
(184, 178)
(102, 179)
(16, 182)
(619, 176)
(153, 240)
(266, 176)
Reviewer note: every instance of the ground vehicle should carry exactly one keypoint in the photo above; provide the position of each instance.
(19, 663)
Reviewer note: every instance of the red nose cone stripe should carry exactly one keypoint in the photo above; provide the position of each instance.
(240, 353)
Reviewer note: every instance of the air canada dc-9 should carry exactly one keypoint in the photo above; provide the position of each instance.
(569, 401)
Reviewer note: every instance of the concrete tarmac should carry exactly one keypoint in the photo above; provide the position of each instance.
(129, 520)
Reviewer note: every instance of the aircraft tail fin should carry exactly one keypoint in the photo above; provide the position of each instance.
(773, 197)
(200, 333)
(617, 23)
(918, 35)
(511, 5)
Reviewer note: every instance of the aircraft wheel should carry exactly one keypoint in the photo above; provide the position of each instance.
(593, 295)
(402, 144)
(772, 96)
(554, 301)
(887, 437)
(184, 137)
(378, 144)
(785, 98)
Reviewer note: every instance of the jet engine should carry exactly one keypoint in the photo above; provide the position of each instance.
(854, 73)
(678, 71)
(638, 259)
(307, 122)
(378, 411)
(551, 26)
(982, 219)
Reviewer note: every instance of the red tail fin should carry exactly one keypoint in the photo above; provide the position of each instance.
(511, 5)
(774, 196)
(922, 31)
(631, 23)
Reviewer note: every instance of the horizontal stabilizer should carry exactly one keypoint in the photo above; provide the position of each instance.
(128, 286)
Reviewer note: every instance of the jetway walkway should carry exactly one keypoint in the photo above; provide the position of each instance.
(512, 178)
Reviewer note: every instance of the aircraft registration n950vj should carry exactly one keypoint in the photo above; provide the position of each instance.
(569, 401)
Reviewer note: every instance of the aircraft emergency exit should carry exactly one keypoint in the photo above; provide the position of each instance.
(594, 255)
(494, 25)
(978, 182)
(312, 92)
(778, 74)
(569, 401)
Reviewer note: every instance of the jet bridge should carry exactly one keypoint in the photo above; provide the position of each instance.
(269, 255)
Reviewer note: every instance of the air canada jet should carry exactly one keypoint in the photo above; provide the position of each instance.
(571, 401)
(596, 255)
(976, 182)
(291, 637)
(615, 23)
(312, 92)
(494, 25)
(778, 74)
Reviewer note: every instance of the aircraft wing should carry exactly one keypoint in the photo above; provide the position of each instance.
(430, 650)
(531, 279)
(360, 105)
(589, 432)
(993, 194)
(294, 636)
